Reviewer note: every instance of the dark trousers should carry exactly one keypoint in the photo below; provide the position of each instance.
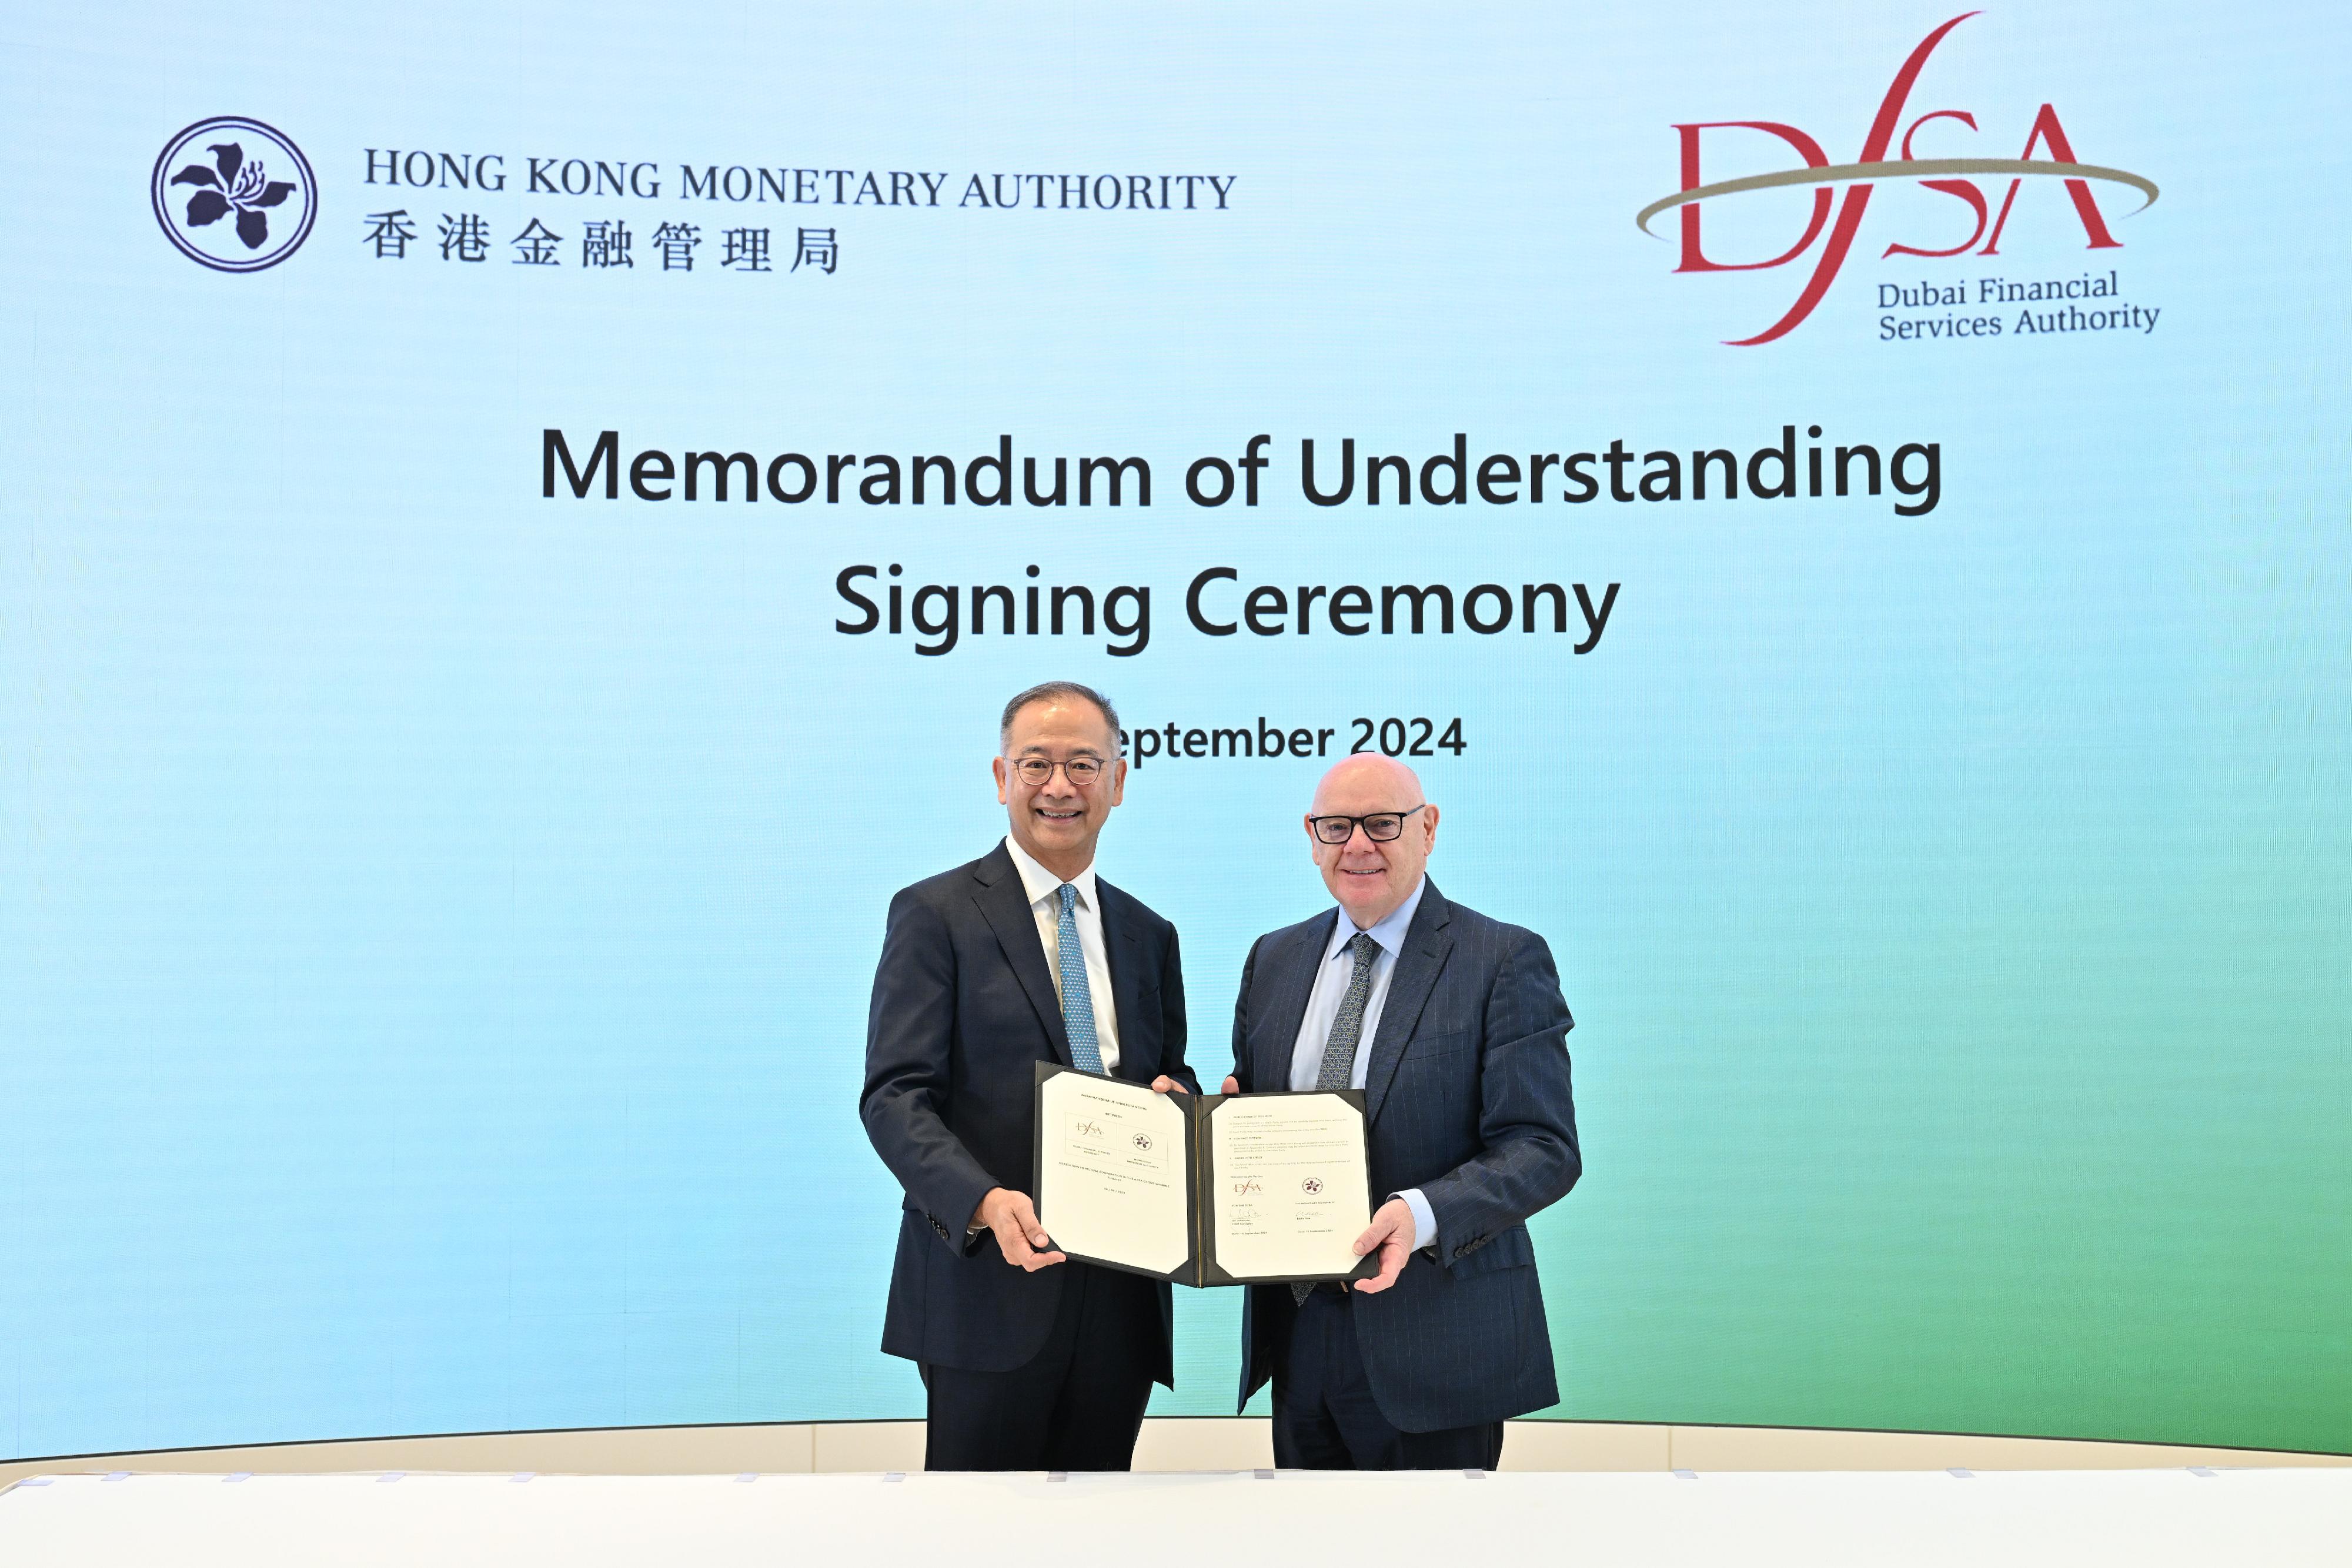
(1323, 1415)
(1077, 1405)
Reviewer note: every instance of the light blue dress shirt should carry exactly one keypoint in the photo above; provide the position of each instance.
(1330, 989)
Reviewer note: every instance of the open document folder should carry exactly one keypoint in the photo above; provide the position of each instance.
(1213, 1189)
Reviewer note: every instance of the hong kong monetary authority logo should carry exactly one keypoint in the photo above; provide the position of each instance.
(234, 193)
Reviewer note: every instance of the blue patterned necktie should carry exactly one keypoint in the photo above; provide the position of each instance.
(1078, 997)
(1338, 1068)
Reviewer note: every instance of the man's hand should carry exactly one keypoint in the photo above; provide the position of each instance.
(1022, 1240)
(1392, 1231)
(1232, 1085)
(1163, 1084)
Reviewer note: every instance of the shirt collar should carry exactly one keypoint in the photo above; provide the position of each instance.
(1040, 884)
(1388, 932)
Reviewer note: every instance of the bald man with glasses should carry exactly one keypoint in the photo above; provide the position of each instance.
(1029, 1361)
(1454, 1027)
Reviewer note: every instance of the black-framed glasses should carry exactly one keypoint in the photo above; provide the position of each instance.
(1034, 771)
(1379, 827)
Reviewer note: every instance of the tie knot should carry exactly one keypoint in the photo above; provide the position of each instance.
(1068, 894)
(1362, 946)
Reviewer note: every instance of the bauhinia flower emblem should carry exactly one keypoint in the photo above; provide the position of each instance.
(214, 170)
(232, 184)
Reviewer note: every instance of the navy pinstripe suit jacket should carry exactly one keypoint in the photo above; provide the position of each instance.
(1469, 1100)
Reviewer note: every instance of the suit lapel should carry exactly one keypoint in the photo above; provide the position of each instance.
(1293, 964)
(1123, 948)
(1418, 963)
(1005, 903)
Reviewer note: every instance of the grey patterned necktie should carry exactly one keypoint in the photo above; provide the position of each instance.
(1339, 1069)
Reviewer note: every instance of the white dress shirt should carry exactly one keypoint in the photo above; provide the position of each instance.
(1045, 903)
(1332, 978)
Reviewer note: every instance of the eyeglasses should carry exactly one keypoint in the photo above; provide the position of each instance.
(1034, 771)
(1379, 827)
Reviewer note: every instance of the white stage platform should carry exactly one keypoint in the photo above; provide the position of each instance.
(2277, 1518)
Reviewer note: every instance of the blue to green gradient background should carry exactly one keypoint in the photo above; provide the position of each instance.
(435, 921)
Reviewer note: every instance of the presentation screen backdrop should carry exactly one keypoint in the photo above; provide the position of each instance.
(518, 520)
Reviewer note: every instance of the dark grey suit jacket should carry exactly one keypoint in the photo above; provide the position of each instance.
(963, 1009)
(1469, 1093)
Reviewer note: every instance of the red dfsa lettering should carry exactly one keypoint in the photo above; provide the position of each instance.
(1873, 164)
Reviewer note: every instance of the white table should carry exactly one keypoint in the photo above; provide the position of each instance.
(2274, 1518)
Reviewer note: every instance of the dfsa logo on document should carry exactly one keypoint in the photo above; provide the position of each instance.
(234, 193)
(1947, 176)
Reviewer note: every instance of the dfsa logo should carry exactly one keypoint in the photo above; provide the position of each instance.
(1874, 166)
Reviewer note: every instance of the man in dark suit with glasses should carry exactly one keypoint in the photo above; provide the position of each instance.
(1454, 1027)
(1030, 1362)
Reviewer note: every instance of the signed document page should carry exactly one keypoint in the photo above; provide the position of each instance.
(1291, 1192)
(1114, 1182)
